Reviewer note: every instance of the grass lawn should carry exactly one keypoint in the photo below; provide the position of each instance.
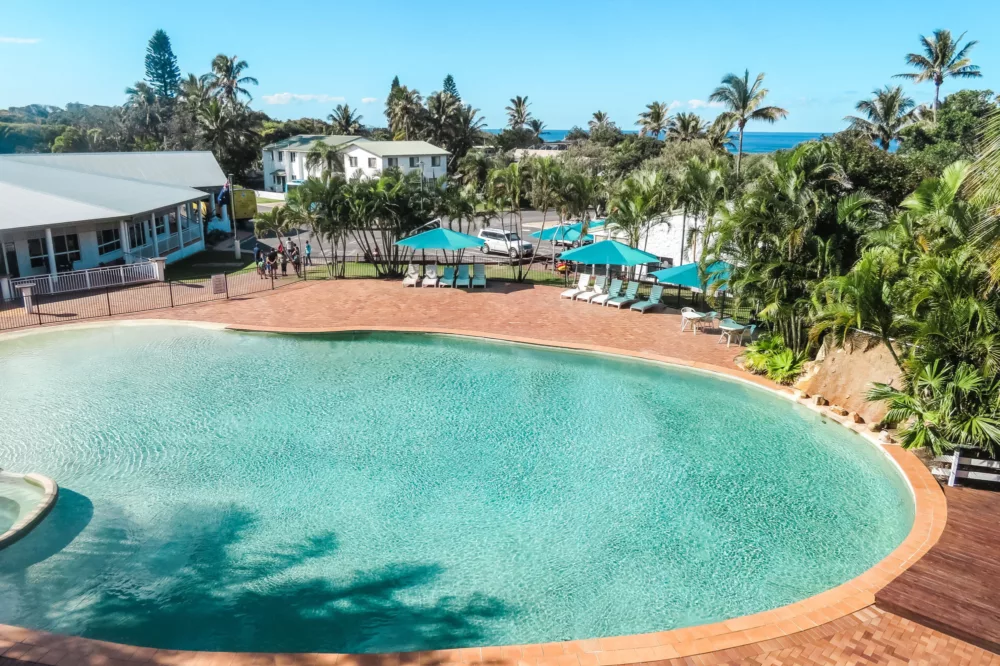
(205, 264)
(262, 200)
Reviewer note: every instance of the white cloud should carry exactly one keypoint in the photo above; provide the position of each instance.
(19, 40)
(369, 100)
(289, 98)
(674, 104)
(702, 104)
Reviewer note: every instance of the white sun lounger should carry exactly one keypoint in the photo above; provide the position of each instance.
(412, 278)
(580, 287)
(599, 283)
(613, 291)
(430, 276)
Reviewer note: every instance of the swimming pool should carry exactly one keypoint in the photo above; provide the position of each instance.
(384, 492)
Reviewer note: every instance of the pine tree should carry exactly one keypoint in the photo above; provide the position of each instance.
(390, 101)
(162, 72)
(450, 87)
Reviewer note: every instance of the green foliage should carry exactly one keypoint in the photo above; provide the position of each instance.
(450, 87)
(955, 135)
(769, 356)
(162, 72)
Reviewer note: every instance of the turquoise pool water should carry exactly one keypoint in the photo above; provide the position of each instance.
(381, 492)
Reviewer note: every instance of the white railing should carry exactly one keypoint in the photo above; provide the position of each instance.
(92, 278)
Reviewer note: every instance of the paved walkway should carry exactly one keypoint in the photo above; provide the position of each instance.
(860, 634)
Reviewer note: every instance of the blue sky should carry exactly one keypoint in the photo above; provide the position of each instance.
(569, 58)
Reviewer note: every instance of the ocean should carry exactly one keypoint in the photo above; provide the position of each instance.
(753, 142)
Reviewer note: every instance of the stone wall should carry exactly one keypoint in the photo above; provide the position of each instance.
(844, 375)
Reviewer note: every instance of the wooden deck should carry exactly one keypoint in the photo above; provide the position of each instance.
(955, 588)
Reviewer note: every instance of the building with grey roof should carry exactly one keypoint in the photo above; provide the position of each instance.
(286, 163)
(66, 214)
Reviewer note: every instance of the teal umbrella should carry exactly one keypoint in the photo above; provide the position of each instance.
(688, 276)
(561, 233)
(441, 239)
(609, 252)
(593, 224)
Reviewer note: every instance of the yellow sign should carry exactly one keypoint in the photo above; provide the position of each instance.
(244, 204)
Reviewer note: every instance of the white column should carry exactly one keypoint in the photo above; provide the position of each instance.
(152, 226)
(123, 237)
(51, 251)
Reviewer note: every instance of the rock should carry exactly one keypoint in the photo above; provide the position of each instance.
(821, 401)
(801, 395)
(885, 437)
(855, 417)
(838, 410)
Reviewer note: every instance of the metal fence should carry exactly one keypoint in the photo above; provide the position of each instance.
(117, 300)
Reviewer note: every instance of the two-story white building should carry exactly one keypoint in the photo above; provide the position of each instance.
(287, 162)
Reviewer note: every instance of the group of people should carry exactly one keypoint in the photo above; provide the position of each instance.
(269, 260)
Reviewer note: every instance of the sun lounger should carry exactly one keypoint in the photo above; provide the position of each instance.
(431, 278)
(599, 283)
(448, 279)
(627, 299)
(655, 294)
(412, 277)
(463, 279)
(580, 287)
(479, 275)
(614, 291)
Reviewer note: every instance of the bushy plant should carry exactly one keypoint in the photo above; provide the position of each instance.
(769, 356)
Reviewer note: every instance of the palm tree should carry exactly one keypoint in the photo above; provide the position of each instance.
(654, 120)
(345, 120)
(943, 57)
(599, 119)
(546, 176)
(686, 127)
(886, 113)
(226, 78)
(279, 220)
(143, 105)
(442, 110)
(718, 137)
(324, 157)
(744, 103)
(537, 127)
(517, 112)
(466, 132)
(195, 92)
(639, 204)
(405, 112)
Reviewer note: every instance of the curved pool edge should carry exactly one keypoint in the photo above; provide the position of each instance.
(857, 594)
(50, 491)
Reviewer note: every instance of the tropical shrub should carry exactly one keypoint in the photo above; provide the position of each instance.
(769, 356)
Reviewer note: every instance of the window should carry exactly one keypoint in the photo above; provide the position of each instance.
(161, 224)
(281, 156)
(436, 161)
(393, 162)
(136, 234)
(67, 250)
(371, 162)
(108, 240)
(352, 161)
(413, 163)
(270, 155)
(291, 157)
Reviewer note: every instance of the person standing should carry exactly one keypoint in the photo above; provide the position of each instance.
(309, 251)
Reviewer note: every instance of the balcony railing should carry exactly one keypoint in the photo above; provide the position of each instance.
(91, 278)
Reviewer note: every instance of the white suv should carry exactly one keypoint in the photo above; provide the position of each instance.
(504, 242)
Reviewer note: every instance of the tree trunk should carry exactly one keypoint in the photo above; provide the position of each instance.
(684, 220)
(739, 155)
(937, 99)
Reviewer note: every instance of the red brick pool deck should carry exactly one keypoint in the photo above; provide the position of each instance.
(839, 626)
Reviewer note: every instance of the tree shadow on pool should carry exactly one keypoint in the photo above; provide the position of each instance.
(184, 589)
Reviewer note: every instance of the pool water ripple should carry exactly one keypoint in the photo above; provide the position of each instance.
(383, 492)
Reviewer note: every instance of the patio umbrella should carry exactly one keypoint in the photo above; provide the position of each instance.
(561, 233)
(689, 276)
(609, 252)
(593, 224)
(441, 239)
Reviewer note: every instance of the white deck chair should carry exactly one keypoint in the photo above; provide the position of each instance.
(412, 277)
(613, 291)
(599, 283)
(430, 276)
(580, 287)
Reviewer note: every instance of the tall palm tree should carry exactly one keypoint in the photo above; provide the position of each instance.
(195, 92)
(405, 113)
(639, 203)
(885, 114)
(654, 120)
(143, 106)
(517, 112)
(744, 103)
(599, 119)
(943, 57)
(546, 176)
(537, 127)
(346, 120)
(325, 158)
(226, 78)
(442, 112)
(717, 135)
(686, 127)
(467, 131)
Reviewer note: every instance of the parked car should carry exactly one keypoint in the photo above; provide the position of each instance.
(505, 242)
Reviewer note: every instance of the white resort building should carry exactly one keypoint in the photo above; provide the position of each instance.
(77, 221)
(286, 162)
